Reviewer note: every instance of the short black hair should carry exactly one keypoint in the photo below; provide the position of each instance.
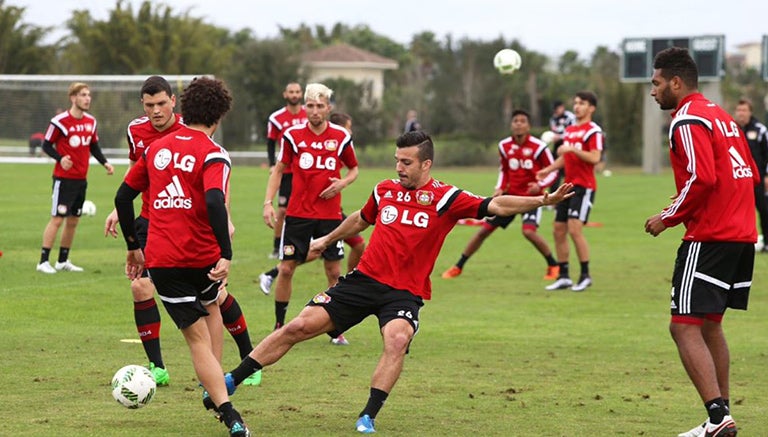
(517, 112)
(420, 139)
(205, 101)
(556, 104)
(676, 61)
(156, 84)
(589, 96)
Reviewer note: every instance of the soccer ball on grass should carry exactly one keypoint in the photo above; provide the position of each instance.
(133, 386)
(507, 61)
(89, 208)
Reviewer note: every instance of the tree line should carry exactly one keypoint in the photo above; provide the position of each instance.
(451, 83)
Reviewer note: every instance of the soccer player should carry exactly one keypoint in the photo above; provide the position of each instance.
(292, 114)
(561, 119)
(411, 121)
(757, 138)
(188, 250)
(356, 243)
(521, 156)
(412, 215)
(715, 177)
(71, 139)
(580, 151)
(315, 151)
(158, 101)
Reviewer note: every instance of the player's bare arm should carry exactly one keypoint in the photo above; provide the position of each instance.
(508, 205)
(353, 224)
(272, 186)
(589, 156)
(557, 165)
(339, 184)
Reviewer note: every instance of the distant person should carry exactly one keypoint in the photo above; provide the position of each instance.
(521, 156)
(757, 138)
(412, 216)
(411, 122)
(561, 118)
(71, 139)
(315, 152)
(35, 142)
(188, 250)
(581, 150)
(356, 243)
(292, 114)
(714, 175)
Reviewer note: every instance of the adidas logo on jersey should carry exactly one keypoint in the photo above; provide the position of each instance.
(740, 168)
(172, 196)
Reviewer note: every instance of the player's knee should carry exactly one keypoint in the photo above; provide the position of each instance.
(397, 342)
(142, 290)
(286, 270)
(529, 232)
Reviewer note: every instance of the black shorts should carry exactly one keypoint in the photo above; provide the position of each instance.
(68, 197)
(284, 193)
(357, 296)
(297, 234)
(710, 277)
(577, 207)
(530, 219)
(185, 292)
(141, 225)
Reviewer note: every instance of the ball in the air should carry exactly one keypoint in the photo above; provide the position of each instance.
(507, 61)
(89, 208)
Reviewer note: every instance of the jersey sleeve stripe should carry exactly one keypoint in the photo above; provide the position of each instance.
(217, 157)
(447, 199)
(688, 149)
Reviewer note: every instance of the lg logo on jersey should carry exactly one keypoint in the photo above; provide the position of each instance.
(390, 214)
(308, 160)
(525, 164)
(165, 157)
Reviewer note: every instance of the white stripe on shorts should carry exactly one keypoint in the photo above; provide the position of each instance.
(686, 283)
(55, 196)
(586, 203)
(712, 280)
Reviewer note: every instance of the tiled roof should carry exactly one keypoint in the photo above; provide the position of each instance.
(345, 53)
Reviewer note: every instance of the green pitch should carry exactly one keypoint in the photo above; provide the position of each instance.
(496, 354)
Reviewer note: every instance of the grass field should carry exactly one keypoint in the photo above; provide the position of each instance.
(496, 354)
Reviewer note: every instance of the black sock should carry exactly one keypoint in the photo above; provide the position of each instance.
(272, 273)
(234, 321)
(281, 308)
(276, 244)
(246, 368)
(147, 318)
(564, 270)
(462, 261)
(375, 402)
(716, 409)
(228, 414)
(584, 269)
(550, 260)
(63, 254)
(45, 253)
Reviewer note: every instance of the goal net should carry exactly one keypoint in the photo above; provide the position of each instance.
(30, 101)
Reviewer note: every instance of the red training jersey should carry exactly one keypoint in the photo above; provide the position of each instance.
(281, 120)
(587, 137)
(176, 172)
(715, 174)
(411, 226)
(72, 136)
(314, 160)
(519, 164)
(140, 135)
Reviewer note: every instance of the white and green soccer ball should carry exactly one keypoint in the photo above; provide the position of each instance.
(133, 386)
(507, 61)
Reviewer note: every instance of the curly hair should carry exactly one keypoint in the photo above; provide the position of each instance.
(205, 101)
(677, 61)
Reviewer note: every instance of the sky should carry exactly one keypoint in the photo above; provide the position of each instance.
(550, 27)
